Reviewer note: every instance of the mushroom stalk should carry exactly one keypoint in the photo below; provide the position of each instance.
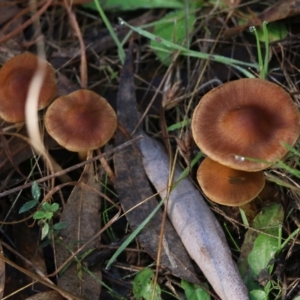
(194, 222)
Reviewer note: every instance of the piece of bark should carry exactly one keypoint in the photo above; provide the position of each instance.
(133, 187)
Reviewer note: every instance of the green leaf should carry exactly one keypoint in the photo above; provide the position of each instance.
(134, 4)
(258, 295)
(35, 191)
(46, 206)
(39, 215)
(42, 215)
(171, 28)
(264, 250)
(194, 292)
(50, 207)
(60, 225)
(48, 215)
(269, 219)
(45, 230)
(27, 206)
(54, 207)
(143, 286)
(261, 245)
(276, 31)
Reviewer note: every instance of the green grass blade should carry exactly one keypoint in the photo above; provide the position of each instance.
(121, 51)
(186, 52)
(260, 60)
(133, 234)
(142, 225)
(266, 38)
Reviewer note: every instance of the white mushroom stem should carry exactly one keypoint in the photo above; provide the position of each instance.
(196, 225)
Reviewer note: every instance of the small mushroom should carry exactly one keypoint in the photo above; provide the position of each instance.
(246, 118)
(81, 121)
(15, 78)
(228, 186)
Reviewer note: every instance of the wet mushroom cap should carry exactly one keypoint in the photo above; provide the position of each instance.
(249, 118)
(15, 78)
(81, 121)
(228, 186)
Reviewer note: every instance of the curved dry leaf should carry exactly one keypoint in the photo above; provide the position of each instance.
(194, 222)
(49, 295)
(279, 11)
(133, 187)
(82, 215)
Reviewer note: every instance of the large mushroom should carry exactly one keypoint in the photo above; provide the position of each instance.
(81, 121)
(15, 77)
(228, 186)
(246, 118)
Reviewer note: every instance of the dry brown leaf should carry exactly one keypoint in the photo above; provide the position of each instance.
(194, 222)
(17, 150)
(50, 295)
(27, 242)
(8, 10)
(279, 11)
(82, 215)
(232, 3)
(133, 187)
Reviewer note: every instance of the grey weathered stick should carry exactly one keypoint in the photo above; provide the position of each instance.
(196, 225)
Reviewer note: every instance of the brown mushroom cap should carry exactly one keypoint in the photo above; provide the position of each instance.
(81, 121)
(228, 186)
(246, 118)
(15, 78)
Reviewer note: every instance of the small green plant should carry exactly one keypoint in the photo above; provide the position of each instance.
(45, 214)
(36, 194)
(194, 291)
(143, 287)
(259, 250)
(44, 217)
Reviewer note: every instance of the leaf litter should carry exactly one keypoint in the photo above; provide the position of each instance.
(16, 153)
